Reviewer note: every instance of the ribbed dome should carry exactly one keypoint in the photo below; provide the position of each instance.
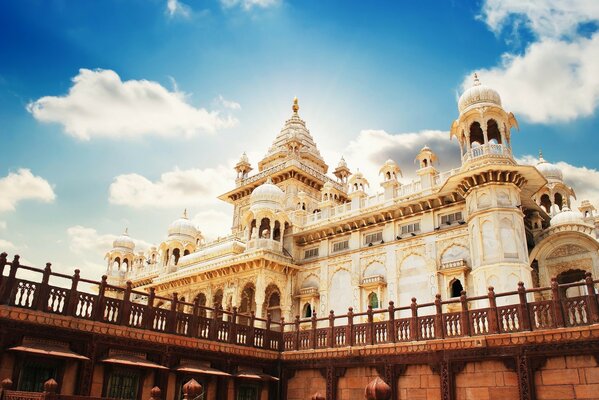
(183, 226)
(567, 216)
(124, 241)
(549, 171)
(478, 94)
(267, 195)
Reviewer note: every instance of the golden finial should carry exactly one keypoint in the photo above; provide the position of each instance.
(295, 107)
(476, 80)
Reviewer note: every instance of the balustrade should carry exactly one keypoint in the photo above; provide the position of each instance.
(141, 310)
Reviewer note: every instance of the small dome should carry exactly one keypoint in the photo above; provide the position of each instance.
(549, 171)
(124, 241)
(390, 163)
(567, 216)
(183, 226)
(244, 158)
(478, 94)
(342, 163)
(268, 195)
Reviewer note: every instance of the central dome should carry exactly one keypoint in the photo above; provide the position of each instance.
(478, 94)
(183, 226)
(124, 241)
(567, 216)
(549, 171)
(267, 195)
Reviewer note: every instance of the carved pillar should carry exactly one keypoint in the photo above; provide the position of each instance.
(287, 374)
(87, 371)
(331, 375)
(446, 380)
(526, 381)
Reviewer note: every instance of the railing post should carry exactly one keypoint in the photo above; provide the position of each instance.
(313, 332)
(493, 315)
(331, 338)
(99, 311)
(194, 320)
(350, 339)
(233, 327)
(3, 263)
(73, 295)
(149, 321)
(10, 281)
(370, 326)
(414, 321)
(593, 306)
(172, 315)
(50, 388)
(464, 320)
(125, 306)
(524, 313)
(41, 301)
(155, 393)
(391, 323)
(438, 317)
(251, 331)
(281, 337)
(297, 332)
(6, 383)
(558, 308)
(214, 326)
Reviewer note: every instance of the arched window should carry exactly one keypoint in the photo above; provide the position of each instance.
(177, 255)
(493, 134)
(201, 299)
(546, 202)
(456, 288)
(307, 312)
(558, 200)
(186, 252)
(571, 276)
(476, 134)
(373, 300)
(125, 265)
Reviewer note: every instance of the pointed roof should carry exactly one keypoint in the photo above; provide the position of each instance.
(294, 137)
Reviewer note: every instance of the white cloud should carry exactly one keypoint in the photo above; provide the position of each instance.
(249, 4)
(87, 241)
(100, 104)
(231, 105)
(176, 7)
(3, 225)
(372, 148)
(6, 245)
(23, 185)
(213, 223)
(545, 18)
(177, 188)
(555, 79)
(584, 181)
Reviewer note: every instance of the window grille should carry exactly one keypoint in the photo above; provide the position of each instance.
(339, 246)
(375, 237)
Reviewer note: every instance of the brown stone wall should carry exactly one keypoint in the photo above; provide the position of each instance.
(304, 384)
(486, 380)
(418, 382)
(351, 386)
(569, 377)
(97, 381)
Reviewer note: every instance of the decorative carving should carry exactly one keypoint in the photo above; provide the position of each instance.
(566, 250)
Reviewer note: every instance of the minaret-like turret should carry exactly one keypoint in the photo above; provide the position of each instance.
(426, 158)
(390, 171)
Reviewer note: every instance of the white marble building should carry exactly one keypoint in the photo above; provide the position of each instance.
(303, 241)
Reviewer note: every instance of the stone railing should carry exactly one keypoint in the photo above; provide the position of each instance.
(476, 316)
(489, 149)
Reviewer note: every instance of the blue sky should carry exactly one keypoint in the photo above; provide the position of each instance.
(122, 113)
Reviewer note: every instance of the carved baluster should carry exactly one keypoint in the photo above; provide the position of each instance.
(414, 334)
(349, 333)
(438, 317)
(464, 320)
(71, 306)
(233, 327)
(558, 309)
(370, 326)
(313, 332)
(41, 301)
(593, 306)
(391, 323)
(297, 332)
(99, 311)
(524, 314)
(493, 316)
(331, 338)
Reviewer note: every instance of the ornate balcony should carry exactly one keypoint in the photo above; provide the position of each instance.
(488, 150)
